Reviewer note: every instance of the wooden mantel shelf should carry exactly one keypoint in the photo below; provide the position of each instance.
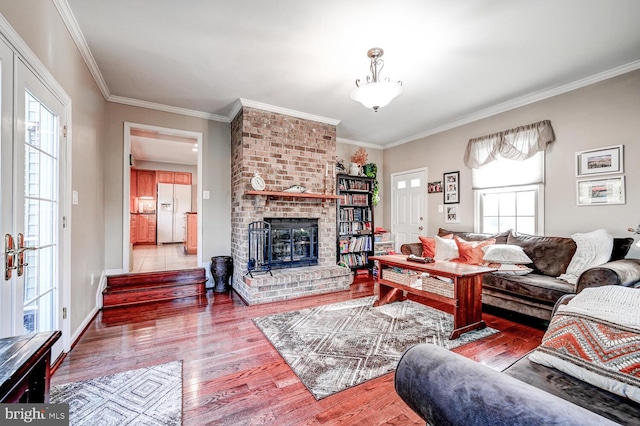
(294, 195)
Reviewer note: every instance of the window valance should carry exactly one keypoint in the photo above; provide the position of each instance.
(520, 143)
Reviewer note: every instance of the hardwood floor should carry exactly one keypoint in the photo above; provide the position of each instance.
(232, 375)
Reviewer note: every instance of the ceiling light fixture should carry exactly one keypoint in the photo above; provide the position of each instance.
(377, 92)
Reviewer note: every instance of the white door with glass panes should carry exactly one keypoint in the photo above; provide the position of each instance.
(32, 212)
(409, 208)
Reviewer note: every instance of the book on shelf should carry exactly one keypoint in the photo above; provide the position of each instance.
(355, 259)
(346, 184)
(354, 200)
(355, 244)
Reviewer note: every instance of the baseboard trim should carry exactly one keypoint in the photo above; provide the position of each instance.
(83, 327)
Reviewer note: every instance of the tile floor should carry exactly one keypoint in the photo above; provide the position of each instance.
(164, 257)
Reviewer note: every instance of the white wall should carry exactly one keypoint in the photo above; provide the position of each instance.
(599, 115)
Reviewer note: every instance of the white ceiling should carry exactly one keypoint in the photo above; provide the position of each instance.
(164, 148)
(458, 60)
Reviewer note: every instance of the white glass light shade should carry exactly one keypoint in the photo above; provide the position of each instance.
(376, 95)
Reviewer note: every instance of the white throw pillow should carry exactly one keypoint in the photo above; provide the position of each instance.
(446, 249)
(505, 253)
(593, 249)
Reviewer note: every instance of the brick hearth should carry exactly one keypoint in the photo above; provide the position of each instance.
(285, 151)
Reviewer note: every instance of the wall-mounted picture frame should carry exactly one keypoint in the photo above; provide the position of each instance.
(600, 161)
(433, 187)
(451, 214)
(599, 192)
(451, 186)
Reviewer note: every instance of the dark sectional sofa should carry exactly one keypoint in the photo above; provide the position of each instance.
(445, 388)
(536, 293)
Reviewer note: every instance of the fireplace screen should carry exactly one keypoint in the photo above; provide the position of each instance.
(294, 242)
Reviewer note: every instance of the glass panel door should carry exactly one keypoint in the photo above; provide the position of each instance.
(41, 209)
(7, 287)
(37, 210)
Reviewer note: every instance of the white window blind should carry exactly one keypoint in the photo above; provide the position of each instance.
(503, 173)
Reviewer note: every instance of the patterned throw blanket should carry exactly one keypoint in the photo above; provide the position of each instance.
(596, 340)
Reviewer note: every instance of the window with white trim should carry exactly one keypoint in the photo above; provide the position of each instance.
(519, 205)
(507, 172)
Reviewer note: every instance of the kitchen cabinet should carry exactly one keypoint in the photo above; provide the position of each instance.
(191, 236)
(162, 176)
(133, 229)
(151, 229)
(146, 183)
(180, 178)
(143, 228)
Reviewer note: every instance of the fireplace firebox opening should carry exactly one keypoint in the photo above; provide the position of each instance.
(294, 242)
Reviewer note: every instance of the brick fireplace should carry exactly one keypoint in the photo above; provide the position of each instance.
(285, 151)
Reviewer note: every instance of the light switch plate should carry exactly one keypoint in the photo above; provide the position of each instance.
(74, 197)
(440, 208)
(206, 195)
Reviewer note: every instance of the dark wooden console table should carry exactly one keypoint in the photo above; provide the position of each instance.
(25, 367)
(466, 291)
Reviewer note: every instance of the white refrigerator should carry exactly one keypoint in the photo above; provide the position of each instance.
(173, 202)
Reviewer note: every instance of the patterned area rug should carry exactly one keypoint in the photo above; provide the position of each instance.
(334, 347)
(147, 396)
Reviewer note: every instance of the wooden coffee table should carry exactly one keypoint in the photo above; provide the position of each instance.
(465, 294)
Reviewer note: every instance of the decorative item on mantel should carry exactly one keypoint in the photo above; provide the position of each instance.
(257, 183)
(296, 189)
(358, 159)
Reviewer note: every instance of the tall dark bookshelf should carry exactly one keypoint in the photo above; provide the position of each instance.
(355, 242)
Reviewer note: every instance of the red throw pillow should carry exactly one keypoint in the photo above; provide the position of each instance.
(471, 251)
(429, 245)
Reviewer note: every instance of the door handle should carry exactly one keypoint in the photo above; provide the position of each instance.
(420, 228)
(20, 252)
(9, 256)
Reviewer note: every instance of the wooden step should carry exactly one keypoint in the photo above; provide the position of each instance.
(180, 275)
(139, 288)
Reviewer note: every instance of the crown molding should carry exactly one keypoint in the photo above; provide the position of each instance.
(358, 143)
(74, 29)
(237, 106)
(286, 111)
(522, 101)
(167, 108)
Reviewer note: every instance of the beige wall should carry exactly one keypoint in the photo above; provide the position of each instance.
(216, 177)
(344, 151)
(40, 26)
(599, 115)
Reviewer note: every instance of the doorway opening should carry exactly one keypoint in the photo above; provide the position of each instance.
(166, 158)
